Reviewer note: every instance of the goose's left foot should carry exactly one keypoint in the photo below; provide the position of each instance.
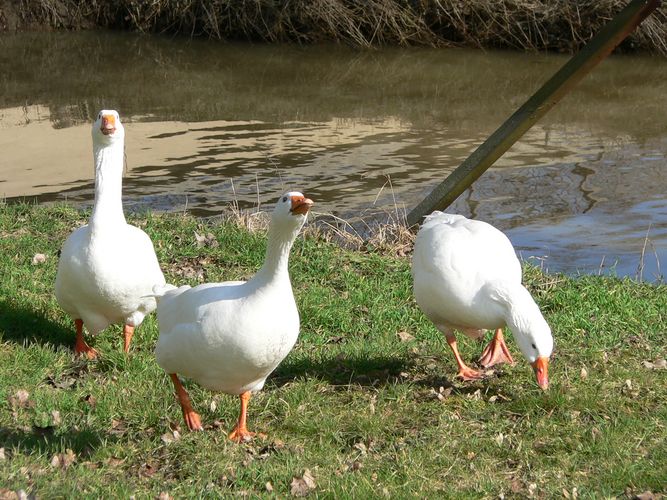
(496, 352)
(241, 432)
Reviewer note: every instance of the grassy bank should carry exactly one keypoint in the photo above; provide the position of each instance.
(522, 24)
(367, 412)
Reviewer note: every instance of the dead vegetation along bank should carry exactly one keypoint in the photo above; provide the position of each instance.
(555, 25)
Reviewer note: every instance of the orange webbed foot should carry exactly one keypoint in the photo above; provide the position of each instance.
(83, 349)
(468, 374)
(241, 434)
(193, 420)
(496, 352)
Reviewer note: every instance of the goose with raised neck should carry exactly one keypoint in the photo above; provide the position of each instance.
(230, 336)
(107, 268)
(466, 277)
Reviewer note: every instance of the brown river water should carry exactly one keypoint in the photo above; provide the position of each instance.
(366, 134)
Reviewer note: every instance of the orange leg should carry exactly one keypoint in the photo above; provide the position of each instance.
(241, 432)
(80, 346)
(128, 331)
(465, 372)
(496, 352)
(191, 418)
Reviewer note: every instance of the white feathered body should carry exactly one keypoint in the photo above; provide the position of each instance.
(107, 276)
(461, 267)
(227, 336)
(230, 336)
(108, 268)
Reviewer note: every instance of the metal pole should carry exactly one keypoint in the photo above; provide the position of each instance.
(600, 46)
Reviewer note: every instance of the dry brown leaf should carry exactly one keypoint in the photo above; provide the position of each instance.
(584, 373)
(207, 240)
(355, 466)
(405, 336)
(55, 418)
(63, 460)
(2, 454)
(147, 470)
(90, 399)
(20, 399)
(164, 496)
(170, 437)
(64, 383)
(658, 364)
(7, 494)
(647, 495)
(38, 258)
(302, 486)
(361, 447)
(268, 487)
(574, 495)
(118, 427)
(114, 461)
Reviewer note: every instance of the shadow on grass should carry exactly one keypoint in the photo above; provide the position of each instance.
(25, 326)
(81, 442)
(342, 371)
(380, 371)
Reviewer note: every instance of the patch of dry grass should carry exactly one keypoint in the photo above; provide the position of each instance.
(520, 24)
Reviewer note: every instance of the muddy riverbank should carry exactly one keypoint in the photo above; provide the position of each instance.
(518, 24)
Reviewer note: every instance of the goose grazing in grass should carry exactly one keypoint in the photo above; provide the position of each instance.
(107, 268)
(230, 336)
(468, 278)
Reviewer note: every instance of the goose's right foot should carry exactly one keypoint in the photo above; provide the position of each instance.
(81, 348)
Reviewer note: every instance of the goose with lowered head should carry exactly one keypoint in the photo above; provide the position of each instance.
(468, 278)
(107, 268)
(230, 336)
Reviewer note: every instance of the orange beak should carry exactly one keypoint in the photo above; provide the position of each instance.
(301, 205)
(541, 367)
(108, 124)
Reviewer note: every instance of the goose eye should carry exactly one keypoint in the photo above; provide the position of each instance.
(284, 199)
(533, 346)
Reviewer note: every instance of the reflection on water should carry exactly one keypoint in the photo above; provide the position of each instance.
(364, 133)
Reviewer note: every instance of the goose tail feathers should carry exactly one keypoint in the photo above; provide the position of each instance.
(160, 291)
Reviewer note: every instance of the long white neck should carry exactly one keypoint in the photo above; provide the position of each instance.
(108, 208)
(518, 305)
(280, 241)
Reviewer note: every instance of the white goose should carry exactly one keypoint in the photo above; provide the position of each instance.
(230, 336)
(107, 268)
(468, 278)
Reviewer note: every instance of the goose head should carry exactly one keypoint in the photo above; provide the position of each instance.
(533, 336)
(291, 210)
(107, 128)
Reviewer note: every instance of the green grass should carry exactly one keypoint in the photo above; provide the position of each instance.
(352, 403)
